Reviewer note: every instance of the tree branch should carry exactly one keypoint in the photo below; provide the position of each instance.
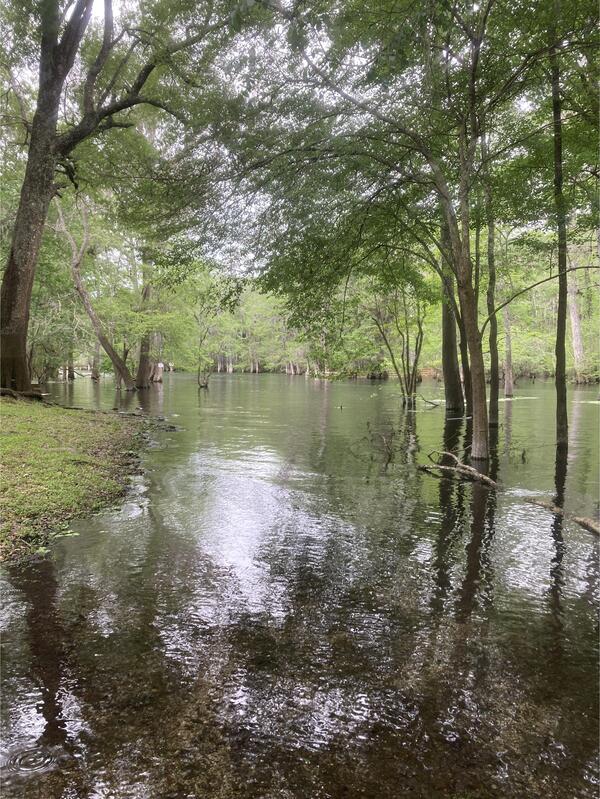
(528, 288)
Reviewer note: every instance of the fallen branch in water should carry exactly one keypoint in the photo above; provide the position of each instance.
(429, 402)
(542, 503)
(459, 469)
(588, 524)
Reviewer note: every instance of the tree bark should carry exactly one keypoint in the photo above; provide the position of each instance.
(562, 427)
(452, 385)
(56, 60)
(468, 326)
(576, 337)
(508, 367)
(144, 370)
(96, 362)
(491, 290)
(479, 448)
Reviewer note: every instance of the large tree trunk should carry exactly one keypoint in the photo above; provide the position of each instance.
(452, 385)
(491, 290)
(17, 283)
(70, 366)
(479, 448)
(562, 427)
(56, 60)
(576, 337)
(144, 371)
(508, 368)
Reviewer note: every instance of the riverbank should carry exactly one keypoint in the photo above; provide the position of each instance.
(56, 464)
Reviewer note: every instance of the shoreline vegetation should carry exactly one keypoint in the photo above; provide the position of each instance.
(57, 464)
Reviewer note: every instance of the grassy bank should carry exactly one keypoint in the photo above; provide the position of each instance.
(56, 464)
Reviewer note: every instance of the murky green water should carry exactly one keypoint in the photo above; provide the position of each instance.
(280, 610)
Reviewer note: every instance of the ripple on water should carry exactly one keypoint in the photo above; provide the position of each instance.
(33, 760)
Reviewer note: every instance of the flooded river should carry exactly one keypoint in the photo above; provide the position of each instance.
(285, 607)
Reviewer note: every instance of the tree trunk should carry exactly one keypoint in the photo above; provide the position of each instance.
(142, 379)
(17, 283)
(56, 60)
(70, 366)
(119, 364)
(452, 385)
(96, 362)
(562, 427)
(508, 368)
(479, 448)
(578, 351)
(491, 291)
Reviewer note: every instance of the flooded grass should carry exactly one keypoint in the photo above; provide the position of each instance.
(57, 464)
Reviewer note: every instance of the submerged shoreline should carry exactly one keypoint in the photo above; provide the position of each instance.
(58, 464)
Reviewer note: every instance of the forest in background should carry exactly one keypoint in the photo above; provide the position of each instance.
(339, 188)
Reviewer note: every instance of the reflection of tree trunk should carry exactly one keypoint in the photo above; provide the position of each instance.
(578, 352)
(557, 569)
(45, 636)
(452, 387)
(508, 367)
(477, 555)
(451, 496)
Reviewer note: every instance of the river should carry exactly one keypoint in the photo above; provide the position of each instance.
(284, 606)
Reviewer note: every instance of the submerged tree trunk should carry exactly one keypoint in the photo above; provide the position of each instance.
(562, 431)
(479, 449)
(144, 370)
(142, 379)
(452, 385)
(96, 362)
(508, 368)
(576, 337)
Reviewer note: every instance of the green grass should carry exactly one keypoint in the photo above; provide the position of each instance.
(56, 464)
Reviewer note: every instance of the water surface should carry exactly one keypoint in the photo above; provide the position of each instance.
(284, 606)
